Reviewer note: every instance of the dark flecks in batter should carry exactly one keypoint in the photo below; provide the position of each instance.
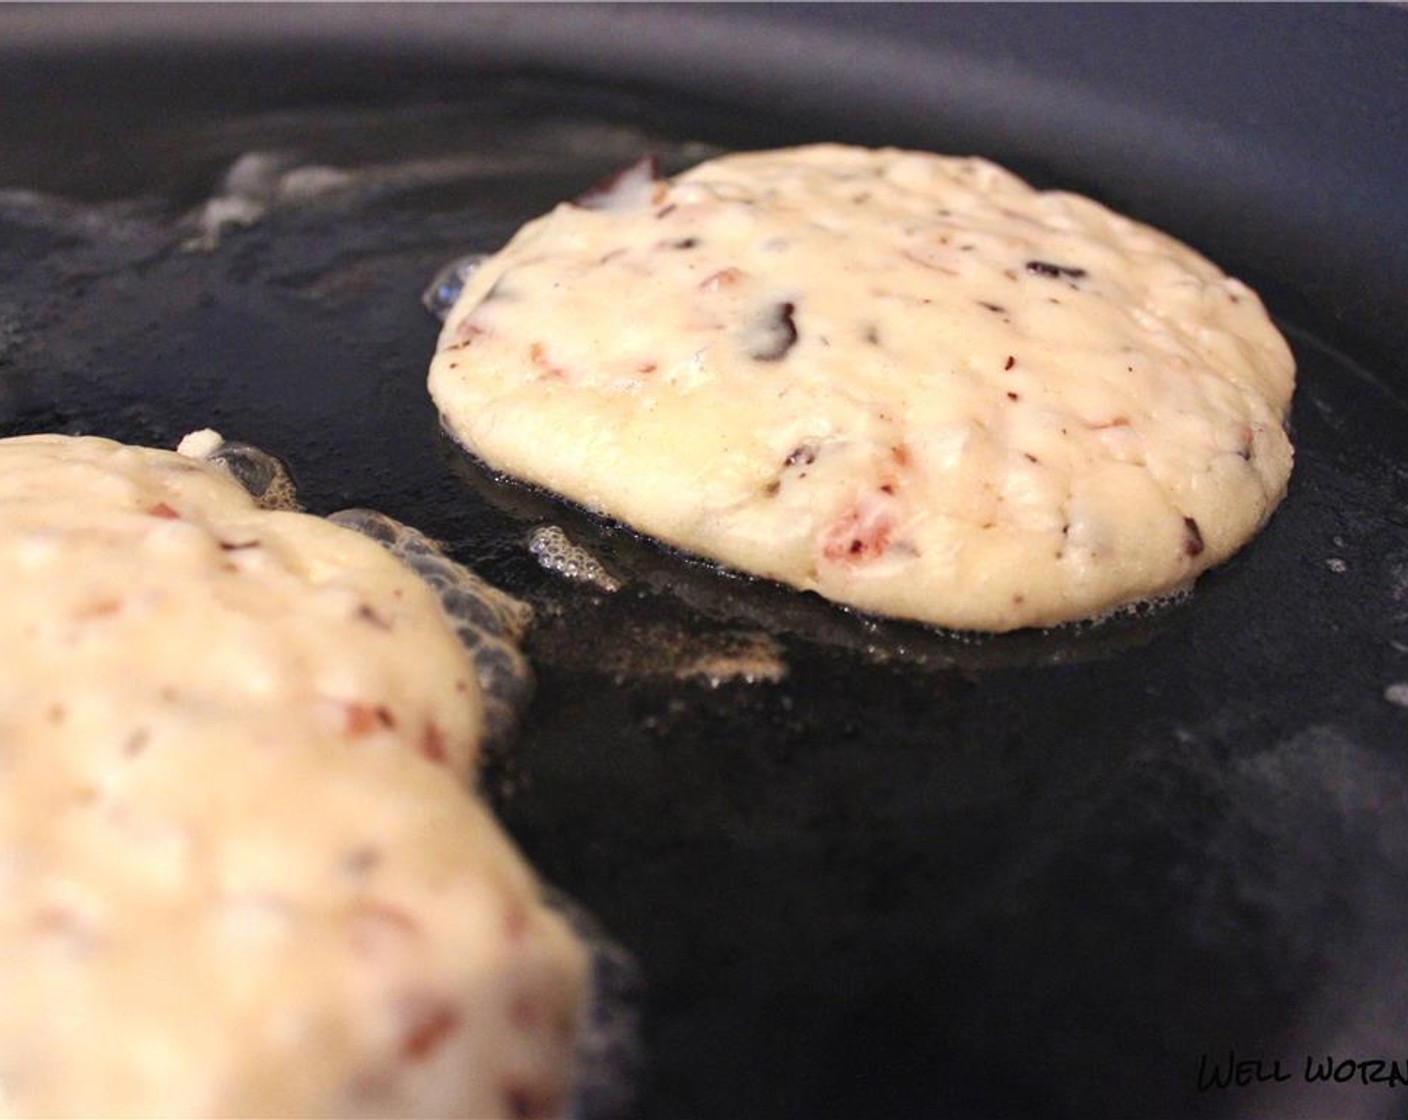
(432, 744)
(1011, 361)
(606, 193)
(1055, 271)
(774, 334)
(370, 616)
(428, 1027)
(803, 455)
(1192, 537)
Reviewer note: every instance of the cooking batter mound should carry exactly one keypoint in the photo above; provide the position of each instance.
(240, 873)
(910, 383)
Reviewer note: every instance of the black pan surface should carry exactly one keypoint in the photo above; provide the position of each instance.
(1070, 874)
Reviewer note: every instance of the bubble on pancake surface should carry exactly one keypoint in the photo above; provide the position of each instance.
(490, 623)
(608, 1050)
(264, 476)
(447, 284)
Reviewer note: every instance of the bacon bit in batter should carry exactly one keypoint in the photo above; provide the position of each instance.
(863, 534)
(1245, 451)
(1011, 361)
(682, 243)
(647, 367)
(161, 509)
(1011, 396)
(370, 616)
(375, 925)
(384, 912)
(100, 608)
(468, 330)
(537, 353)
(432, 744)
(901, 456)
(429, 1023)
(1192, 537)
(237, 546)
(362, 719)
(724, 278)
(635, 184)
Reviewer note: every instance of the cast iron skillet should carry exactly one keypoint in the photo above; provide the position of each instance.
(1054, 875)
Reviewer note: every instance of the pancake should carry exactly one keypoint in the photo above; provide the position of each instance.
(907, 382)
(241, 868)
